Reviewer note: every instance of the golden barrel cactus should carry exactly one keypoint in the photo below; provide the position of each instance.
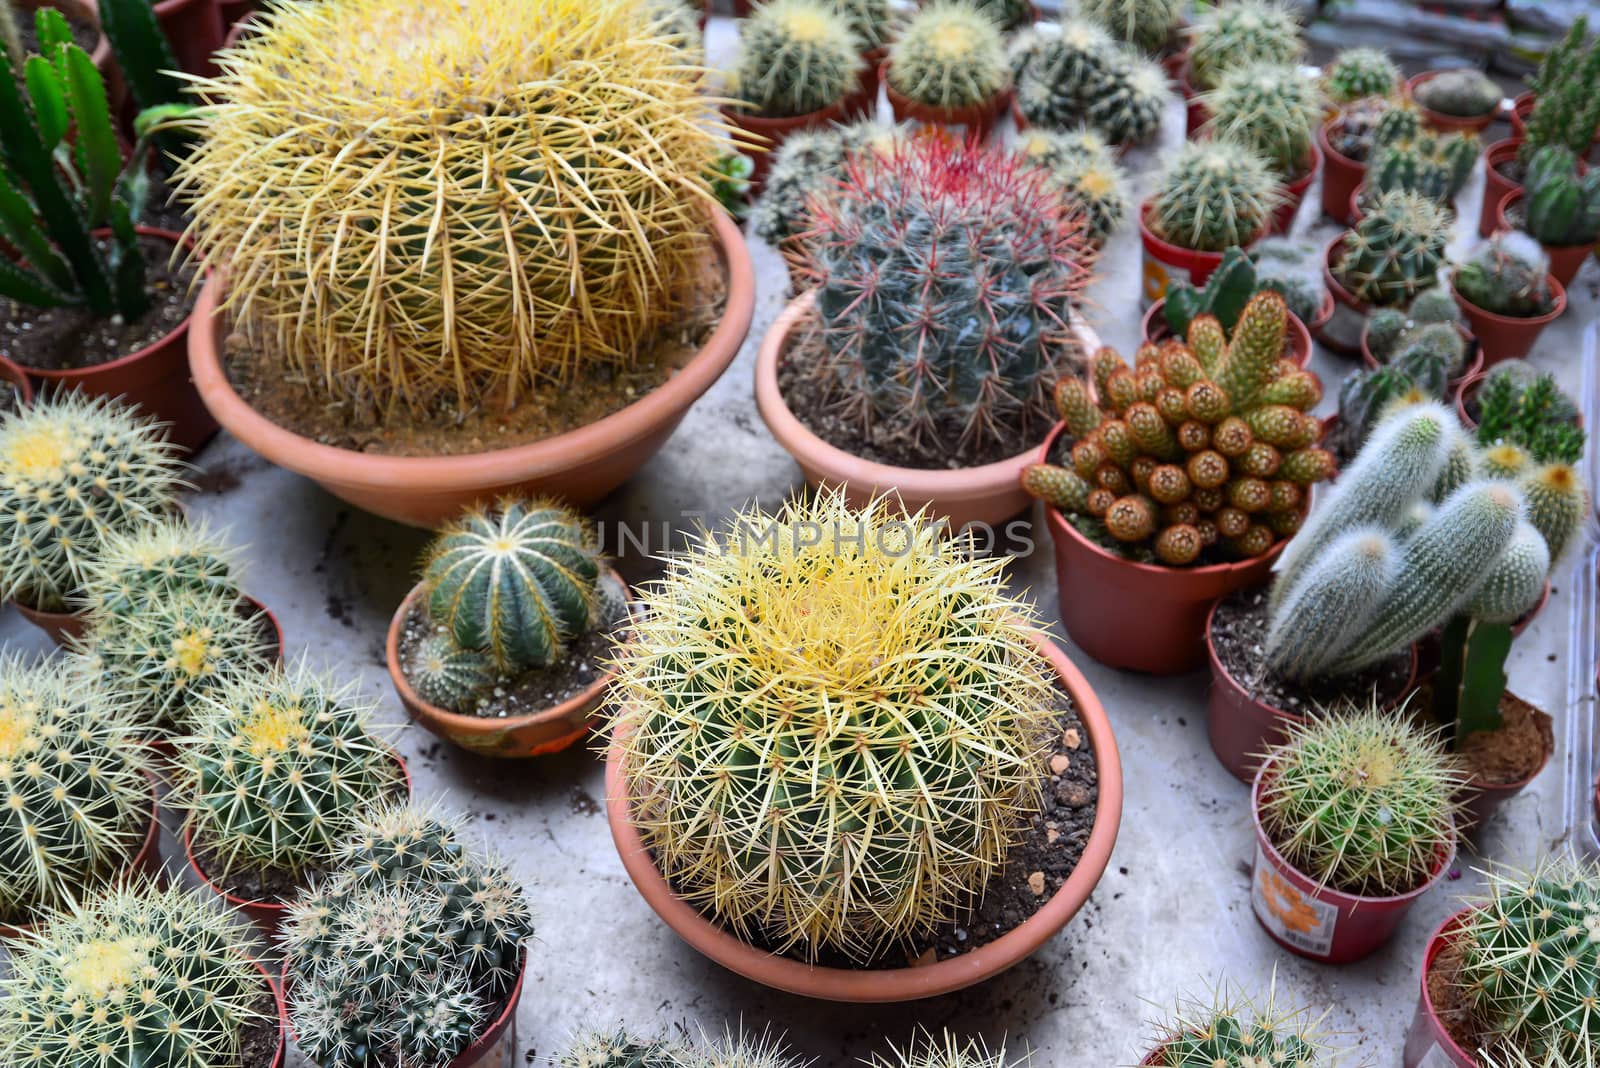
(421, 205)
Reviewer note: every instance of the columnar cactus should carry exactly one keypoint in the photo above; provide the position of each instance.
(811, 163)
(1215, 194)
(1531, 956)
(131, 978)
(1273, 110)
(1559, 207)
(945, 279)
(1566, 109)
(1395, 251)
(1240, 34)
(1362, 801)
(1508, 275)
(1080, 164)
(949, 55)
(827, 661)
(1360, 72)
(1466, 93)
(75, 472)
(77, 799)
(510, 255)
(1232, 1031)
(946, 1050)
(281, 766)
(1146, 24)
(156, 559)
(795, 57)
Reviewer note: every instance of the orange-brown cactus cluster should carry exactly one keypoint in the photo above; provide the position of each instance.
(1204, 445)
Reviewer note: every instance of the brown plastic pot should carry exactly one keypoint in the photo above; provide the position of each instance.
(1239, 726)
(1495, 184)
(1342, 332)
(891, 984)
(1340, 177)
(1564, 259)
(1295, 192)
(1165, 262)
(976, 120)
(1428, 1041)
(767, 134)
(61, 627)
(1438, 119)
(548, 731)
(1502, 337)
(580, 466)
(156, 378)
(10, 372)
(1480, 800)
(1319, 922)
(1296, 342)
(986, 495)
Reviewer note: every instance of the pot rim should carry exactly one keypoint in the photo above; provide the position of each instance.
(765, 126)
(912, 982)
(1509, 788)
(982, 114)
(1557, 290)
(496, 467)
(1177, 254)
(18, 378)
(1436, 942)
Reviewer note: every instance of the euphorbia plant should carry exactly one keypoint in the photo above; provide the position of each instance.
(1225, 294)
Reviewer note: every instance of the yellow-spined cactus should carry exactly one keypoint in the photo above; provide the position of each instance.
(420, 205)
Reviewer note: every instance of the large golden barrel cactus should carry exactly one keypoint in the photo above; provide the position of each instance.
(421, 204)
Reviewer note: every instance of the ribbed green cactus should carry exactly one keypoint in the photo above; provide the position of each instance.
(132, 978)
(72, 774)
(75, 472)
(446, 675)
(1273, 110)
(795, 57)
(1081, 165)
(1360, 72)
(1234, 1031)
(517, 580)
(1007, 14)
(1240, 34)
(809, 163)
(160, 557)
(1057, 74)
(1395, 251)
(1508, 275)
(950, 55)
(1128, 105)
(1465, 93)
(945, 1050)
(1435, 166)
(1362, 801)
(1558, 206)
(281, 766)
(1146, 24)
(842, 629)
(1531, 957)
(1215, 194)
(1566, 108)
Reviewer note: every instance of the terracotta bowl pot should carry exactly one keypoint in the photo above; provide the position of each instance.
(60, 627)
(1296, 343)
(976, 120)
(548, 731)
(1340, 177)
(10, 372)
(1565, 260)
(891, 984)
(1438, 119)
(989, 494)
(1502, 337)
(581, 466)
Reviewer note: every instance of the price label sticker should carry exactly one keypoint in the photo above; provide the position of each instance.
(1295, 918)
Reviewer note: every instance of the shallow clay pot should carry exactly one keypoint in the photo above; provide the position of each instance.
(1482, 800)
(1295, 192)
(891, 984)
(548, 731)
(156, 378)
(1319, 922)
(1428, 1041)
(1564, 259)
(986, 495)
(1340, 177)
(580, 466)
(1165, 262)
(767, 134)
(10, 372)
(1495, 184)
(1296, 342)
(976, 120)
(1502, 337)
(1438, 119)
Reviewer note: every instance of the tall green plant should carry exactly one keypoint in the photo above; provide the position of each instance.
(142, 51)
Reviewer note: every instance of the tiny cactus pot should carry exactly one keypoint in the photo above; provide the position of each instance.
(1565, 260)
(1504, 337)
(1428, 1040)
(1340, 177)
(1165, 262)
(1438, 119)
(972, 121)
(1297, 344)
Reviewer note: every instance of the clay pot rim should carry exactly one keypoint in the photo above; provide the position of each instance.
(1501, 212)
(907, 983)
(1439, 119)
(1330, 153)
(1152, 316)
(742, 115)
(982, 114)
(1177, 254)
(1436, 942)
(465, 724)
(18, 378)
(496, 467)
(1557, 290)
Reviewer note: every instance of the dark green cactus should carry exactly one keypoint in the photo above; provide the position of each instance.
(1465, 93)
(1057, 75)
(1559, 207)
(446, 675)
(1533, 414)
(1509, 275)
(1396, 250)
(1224, 295)
(1566, 109)
(1434, 166)
(143, 53)
(1232, 1031)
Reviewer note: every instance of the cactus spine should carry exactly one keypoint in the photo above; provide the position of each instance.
(1240, 34)
(1360, 72)
(1081, 165)
(946, 1050)
(1215, 194)
(810, 163)
(950, 55)
(1396, 250)
(1273, 110)
(1146, 24)
(1127, 108)
(159, 558)
(795, 57)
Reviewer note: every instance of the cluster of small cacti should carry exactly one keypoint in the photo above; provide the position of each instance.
(1464, 93)
(1516, 406)
(1405, 155)
(1395, 251)
(1080, 163)
(1362, 800)
(1566, 108)
(1432, 323)
(75, 472)
(1078, 72)
(1148, 25)
(542, 258)
(1242, 34)
(1360, 72)
(1420, 350)
(1272, 110)
(1204, 448)
(1560, 207)
(1215, 194)
(808, 164)
(402, 955)
(795, 57)
(945, 280)
(847, 624)
(949, 55)
(132, 978)
(1508, 275)
(1233, 1031)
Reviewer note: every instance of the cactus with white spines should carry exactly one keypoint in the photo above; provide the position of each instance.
(1235, 1031)
(1148, 25)
(1081, 164)
(795, 57)
(622, 1048)
(874, 22)
(1127, 107)
(168, 554)
(1058, 73)
(810, 163)
(1240, 34)
(946, 1050)
(1508, 275)
(949, 55)
(1214, 195)
(1434, 165)
(1360, 72)
(1273, 110)
(1396, 250)
(1007, 14)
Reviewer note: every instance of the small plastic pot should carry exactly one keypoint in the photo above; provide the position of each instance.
(1342, 331)
(61, 627)
(11, 373)
(1565, 260)
(549, 730)
(1295, 192)
(1502, 337)
(1438, 119)
(1495, 184)
(1321, 923)
(1296, 343)
(1340, 177)
(1481, 800)
(770, 133)
(1428, 1041)
(976, 120)
(1165, 262)
(194, 29)
(282, 1009)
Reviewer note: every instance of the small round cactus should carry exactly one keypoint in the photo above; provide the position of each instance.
(849, 625)
(1214, 195)
(1270, 109)
(446, 675)
(1007, 14)
(169, 554)
(131, 978)
(1360, 72)
(1232, 1031)
(1128, 105)
(76, 797)
(75, 471)
(1508, 275)
(1465, 94)
(1396, 250)
(874, 22)
(811, 163)
(946, 1050)
(950, 55)
(1058, 73)
(1093, 181)
(1362, 800)
(795, 57)
(1240, 34)
(619, 1048)
(516, 581)
(1146, 24)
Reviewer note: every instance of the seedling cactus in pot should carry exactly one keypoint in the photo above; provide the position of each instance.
(1507, 292)
(1391, 255)
(1356, 73)
(948, 67)
(1234, 1029)
(796, 57)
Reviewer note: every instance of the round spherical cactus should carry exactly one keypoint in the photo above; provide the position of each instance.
(743, 645)
(1057, 74)
(164, 556)
(1272, 110)
(1093, 181)
(446, 675)
(1146, 24)
(949, 55)
(795, 57)
(1466, 93)
(1233, 1031)
(1241, 34)
(1396, 250)
(1007, 14)
(1214, 195)
(810, 163)
(1128, 106)
(1360, 72)
(75, 472)
(874, 22)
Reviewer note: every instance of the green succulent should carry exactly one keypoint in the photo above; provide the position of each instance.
(1273, 110)
(1396, 250)
(1148, 25)
(1360, 72)
(949, 55)
(795, 57)
(1215, 194)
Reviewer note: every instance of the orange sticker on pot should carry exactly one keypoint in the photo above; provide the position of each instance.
(1295, 918)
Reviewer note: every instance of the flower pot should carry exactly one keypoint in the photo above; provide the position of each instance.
(282, 1016)
(1340, 177)
(1296, 342)
(986, 495)
(1139, 617)
(863, 103)
(1481, 799)
(1470, 367)
(1428, 1041)
(18, 379)
(194, 29)
(904, 983)
(60, 627)
(1438, 119)
(235, 11)
(580, 466)
(548, 731)
(1241, 727)
(1495, 184)
(1564, 259)
(1342, 332)
(1295, 192)
(1164, 262)
(974, 121)
(767, 134)
(1322, 923)
(1521, 108)
(156, 378)
(1503, 337)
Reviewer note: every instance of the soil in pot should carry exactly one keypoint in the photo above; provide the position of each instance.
(258, 375)
(85, 34)
(1515, 751)
(1448, 994)
(260, 1037)
(73, 338)
(259, 884)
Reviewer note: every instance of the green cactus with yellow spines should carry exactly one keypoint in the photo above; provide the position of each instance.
(1273, 110)
(158, 558)
(1235, 1031)
(1241, 34)
(1148, 25)
(945, 1050)
(1215, 194)
(446, 675)
(1082, 166)
(795, 57)
(949, 55)
(1557, 503)
(1360, 72)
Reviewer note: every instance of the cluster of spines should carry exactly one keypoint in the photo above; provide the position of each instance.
(1148, 25)
(1216, 194)
(1240, 34)
(1356, 73)
(1396, 250)
(946, 1050)
(1508, 275)
(1081, 165)
(1272, 110)
(808, 164)
(949, 55)
(1231, 1030)
(795, 57)
(166, 555)
(619, 1047)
